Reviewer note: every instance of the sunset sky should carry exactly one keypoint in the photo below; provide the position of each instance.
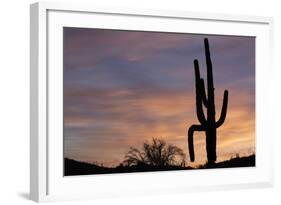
(122, 88)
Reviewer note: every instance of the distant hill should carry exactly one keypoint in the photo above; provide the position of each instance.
(249, 161)
(73, 167)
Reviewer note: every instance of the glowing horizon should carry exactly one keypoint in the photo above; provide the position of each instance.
(122, 88)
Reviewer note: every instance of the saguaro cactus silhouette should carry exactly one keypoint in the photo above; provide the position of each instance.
(207, 124)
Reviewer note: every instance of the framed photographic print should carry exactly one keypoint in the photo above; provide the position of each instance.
(128, 101)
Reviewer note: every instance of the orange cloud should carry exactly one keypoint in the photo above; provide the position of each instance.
(171, 114)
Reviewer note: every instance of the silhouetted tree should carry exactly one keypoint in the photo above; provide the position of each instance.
(157, 153)
(209, 123)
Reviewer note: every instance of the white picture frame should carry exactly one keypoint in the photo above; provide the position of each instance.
(46, 177)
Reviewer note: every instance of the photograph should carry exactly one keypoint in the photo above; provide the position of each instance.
(146, 101)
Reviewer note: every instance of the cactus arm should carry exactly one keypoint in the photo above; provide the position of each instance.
(223, 110)
(203, 93)
(199, 106)
(191, 131)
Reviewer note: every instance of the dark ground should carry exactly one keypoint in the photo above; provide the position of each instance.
(73, 167)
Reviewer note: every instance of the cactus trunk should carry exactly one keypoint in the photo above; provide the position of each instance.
(211, 143)
(209, 123)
